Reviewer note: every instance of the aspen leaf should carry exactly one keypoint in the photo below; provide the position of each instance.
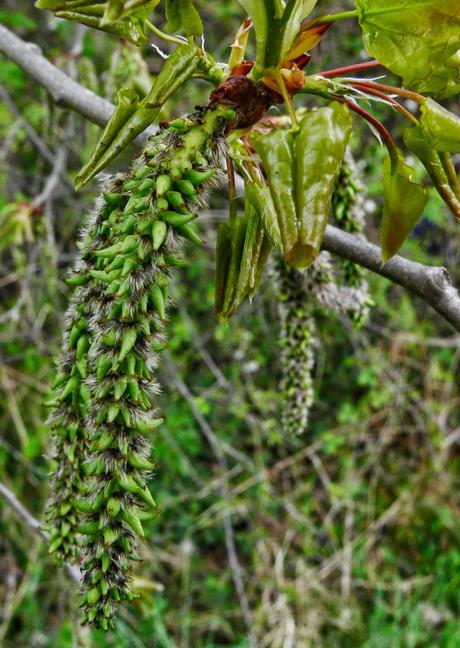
(440, 126)
(183, 16)
(405, 201)
(417, 39)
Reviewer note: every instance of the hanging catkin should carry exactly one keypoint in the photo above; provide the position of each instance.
(349, 214)
(297, 339)
(104, 402)
(340, 288)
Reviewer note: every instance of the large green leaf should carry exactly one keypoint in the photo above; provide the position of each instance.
(276, 27)
(320, 149)
(417, 39)
(405, 201)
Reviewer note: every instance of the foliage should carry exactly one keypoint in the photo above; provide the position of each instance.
(347, 536)
(394, 31)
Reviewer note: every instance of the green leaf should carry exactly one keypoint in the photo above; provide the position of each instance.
(260, 197)
(132, 117)
(276, 150)
(438, 166)
(183, 16)
(110, 16)
(119, 9)
(178, 68)
(243, 248)
(320, 149)
(405, 201)
(301, 169)
(293, 16)
(275, 27)
(441, 127)
(128, 103)
(417, 39)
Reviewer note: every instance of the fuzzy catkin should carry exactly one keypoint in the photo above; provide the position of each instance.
(297, 340)
(349, 214)
(70, 400)
(339, 287)
(127, 255)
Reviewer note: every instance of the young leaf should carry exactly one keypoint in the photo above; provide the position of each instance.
(242, 252)
(295, 12)
(128, 103)
(320, 149)
(440, 126)
(276, 151)
(416, 39)
(177, 69)
(182, 16)
(301, 169)
(109, 16)
(259, 196)
(448, 187)
(405, 201)
(119, 9)
(132, 118)
(276, 25)
(308, 37)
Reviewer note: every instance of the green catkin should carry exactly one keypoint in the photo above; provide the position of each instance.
(322, 286)
(69, 399)
(126, 262)
(297, 340)
(349, 214)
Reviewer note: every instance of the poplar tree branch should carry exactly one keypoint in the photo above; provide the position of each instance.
(63, 90)
(432, 284)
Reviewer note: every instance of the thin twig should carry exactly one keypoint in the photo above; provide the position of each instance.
(33, 524)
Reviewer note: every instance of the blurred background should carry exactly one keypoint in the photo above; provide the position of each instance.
(346, 536)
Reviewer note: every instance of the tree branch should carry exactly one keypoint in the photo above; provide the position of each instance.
(34, 525)
(64, 90)
(432, 284)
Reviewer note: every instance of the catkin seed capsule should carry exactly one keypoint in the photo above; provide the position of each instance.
(199, 177)
(186, 188)
(173, 218)
(189, 233)
(163, 184)
(159, 233)
(176, 200)
(161, 205)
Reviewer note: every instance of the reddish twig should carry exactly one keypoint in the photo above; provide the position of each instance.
(378, 93)
(357, 67)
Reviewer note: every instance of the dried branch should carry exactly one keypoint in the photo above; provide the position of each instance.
(432, 284)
